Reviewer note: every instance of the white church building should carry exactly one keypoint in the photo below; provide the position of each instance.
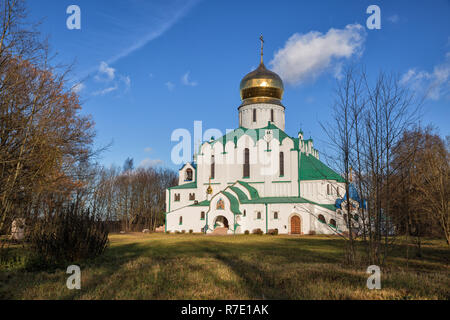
(257, 177)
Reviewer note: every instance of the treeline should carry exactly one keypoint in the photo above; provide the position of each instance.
(399, 169)
(47, 160)
(132, 198)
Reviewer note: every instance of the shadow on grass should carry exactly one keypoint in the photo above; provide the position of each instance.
(164, 268)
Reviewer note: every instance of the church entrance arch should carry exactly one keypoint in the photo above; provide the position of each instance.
(221, 222)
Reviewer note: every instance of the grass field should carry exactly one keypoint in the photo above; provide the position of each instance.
(161, 266)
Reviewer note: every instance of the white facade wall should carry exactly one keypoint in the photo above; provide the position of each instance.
(308, 214)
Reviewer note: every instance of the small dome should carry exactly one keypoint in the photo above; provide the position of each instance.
(262, 83)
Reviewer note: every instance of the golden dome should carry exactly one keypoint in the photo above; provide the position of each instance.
(262, 85)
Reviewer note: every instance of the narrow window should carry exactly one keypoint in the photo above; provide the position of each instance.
(177, 197)
(191, 196)
(275, 215)
(254, 115)
(202, 215)
(181, 221)
(213, 167)
(189, 175)
(328, 189)
(321, 218)
(247, 163)
(271, 115)
(281, 164)
(245, 213)
(258, 215)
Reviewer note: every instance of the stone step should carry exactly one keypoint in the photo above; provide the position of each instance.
(220, 232)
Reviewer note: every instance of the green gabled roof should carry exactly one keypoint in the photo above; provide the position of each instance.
(243, 199)
(201, 204)
(270, 200)
(253, 192)
(192, 185)
(241, 194)
(312, 168)
(234, 203)
(255, 134)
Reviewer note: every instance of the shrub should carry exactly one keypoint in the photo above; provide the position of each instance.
(167, 232)
(68, 236)
(191, 231)
(247, 232)
(312, 233)
(177, 232)
(183, 232)
(273, 232)
(257, 231)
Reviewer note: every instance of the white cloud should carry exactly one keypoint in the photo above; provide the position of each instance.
(306, 56)
(148, 163)
(78, 87)
(186, 81)
(148, 149)
(394, 18)
(170, 85)
(433, 85)
(105, 72)
(106, 91)
(158, 31)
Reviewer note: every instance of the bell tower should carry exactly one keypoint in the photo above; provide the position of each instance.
(261, 94)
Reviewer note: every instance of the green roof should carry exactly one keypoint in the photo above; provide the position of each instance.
(241, 194)
(201, 204)
(312, 168)
(253, 192)
(192, 185)
(234, 203)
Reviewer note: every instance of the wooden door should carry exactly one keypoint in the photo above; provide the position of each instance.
(296, 225)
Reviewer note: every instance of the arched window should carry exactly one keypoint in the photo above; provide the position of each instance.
(254, 115)
(202, 215)
(322, 218)
(333, 223)
(181, 221)
(258, 215)
(189, 175)
(213, 167)
(271, 115)
(281, 164)
(275, 215)
(177, 197)
(247, 163)
(191, 196)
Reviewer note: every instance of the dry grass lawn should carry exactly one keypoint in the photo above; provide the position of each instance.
(160, 266)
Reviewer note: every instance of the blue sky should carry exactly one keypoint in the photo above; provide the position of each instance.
(150, 67)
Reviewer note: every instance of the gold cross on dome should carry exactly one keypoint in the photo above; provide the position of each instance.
(262, 48)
